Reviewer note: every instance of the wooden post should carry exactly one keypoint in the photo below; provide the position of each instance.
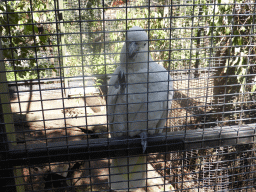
(8, 121)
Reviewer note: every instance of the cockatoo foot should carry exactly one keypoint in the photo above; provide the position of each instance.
(121, 82)
(143, 136)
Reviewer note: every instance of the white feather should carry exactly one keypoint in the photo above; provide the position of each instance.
(148, 95)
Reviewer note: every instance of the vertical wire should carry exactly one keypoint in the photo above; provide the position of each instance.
(241, 95)
(228, 65)
(57, 22)
(84, 94)
(106, 96)
(187, 91)
(37, 70)
(63, 58)
(229, 51)
(190, 63)
(207, 89)
(127, 94)
(168, 71)
(211, 51)
(148, 63)
(31, 9)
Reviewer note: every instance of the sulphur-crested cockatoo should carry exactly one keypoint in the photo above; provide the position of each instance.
(139, 97)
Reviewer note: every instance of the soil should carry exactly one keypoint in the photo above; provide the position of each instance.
(51, 116)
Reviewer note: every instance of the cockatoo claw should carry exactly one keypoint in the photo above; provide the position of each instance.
(143, 136)
(121, 81)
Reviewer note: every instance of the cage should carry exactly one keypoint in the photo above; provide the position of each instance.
(83, 107)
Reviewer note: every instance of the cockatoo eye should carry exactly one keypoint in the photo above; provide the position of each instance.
(145, 44)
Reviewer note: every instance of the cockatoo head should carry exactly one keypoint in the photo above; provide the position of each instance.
(136, 43)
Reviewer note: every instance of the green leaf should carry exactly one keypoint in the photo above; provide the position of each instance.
(243, 29)
(227, 30)
(230, 18)
(2, 7)
(253, 89)
(32, 63)
(35, 29)
(17, 40)
(28, 29)
(43, 39)
(240, 41)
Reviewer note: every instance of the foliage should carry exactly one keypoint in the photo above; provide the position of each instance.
(22, 41)
(90, 51)
(232, 30)
(89, 45)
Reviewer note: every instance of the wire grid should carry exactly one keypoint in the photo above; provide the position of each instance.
(59, 56)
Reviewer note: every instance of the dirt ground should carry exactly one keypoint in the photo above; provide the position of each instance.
(51, 117)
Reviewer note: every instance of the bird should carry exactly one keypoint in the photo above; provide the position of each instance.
(140, 93)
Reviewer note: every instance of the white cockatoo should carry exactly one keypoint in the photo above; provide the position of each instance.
(139, 97)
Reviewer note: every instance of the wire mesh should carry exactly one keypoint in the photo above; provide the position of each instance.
(57, 57)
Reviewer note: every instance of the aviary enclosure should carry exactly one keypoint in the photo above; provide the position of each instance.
(57, 57)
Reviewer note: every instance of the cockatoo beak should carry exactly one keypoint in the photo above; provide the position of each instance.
(132, 49)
